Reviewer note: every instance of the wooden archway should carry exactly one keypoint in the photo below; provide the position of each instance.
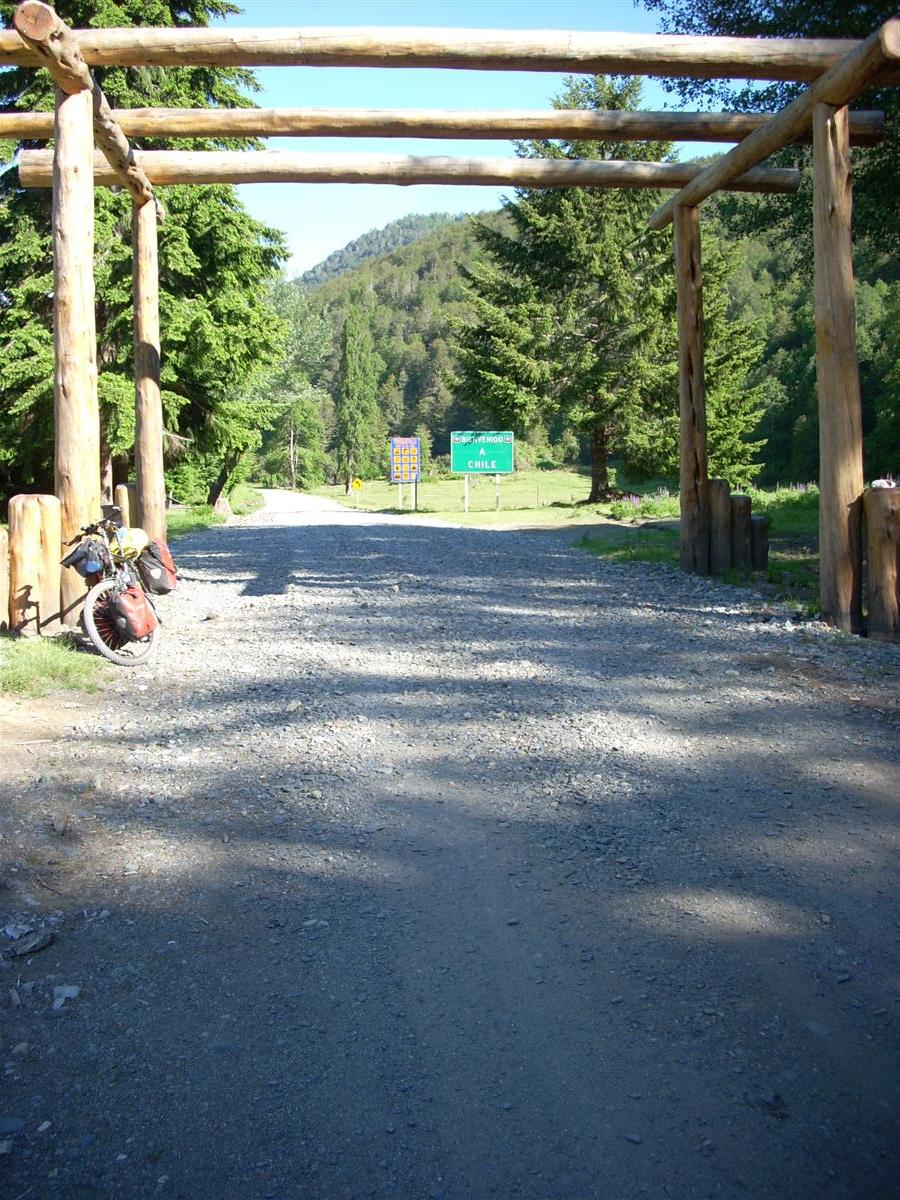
(838, 70)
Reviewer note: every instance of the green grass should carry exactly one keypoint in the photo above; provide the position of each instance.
(36, 666)
(790, 511)
(194, 518)
(639, 545)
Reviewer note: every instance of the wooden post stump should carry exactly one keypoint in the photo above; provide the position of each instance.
(837, 376)
(129, 502)
(882, 507)
(719, 492)
(691, 394)
(148, 423)
(759, 543)
(123, 500)
(35, 548)
(741, 544)
(76, 411)
(4, 581)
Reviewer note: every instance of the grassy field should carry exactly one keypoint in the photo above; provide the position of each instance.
(547, 495)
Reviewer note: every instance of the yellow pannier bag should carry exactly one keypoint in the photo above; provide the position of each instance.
(128, 543)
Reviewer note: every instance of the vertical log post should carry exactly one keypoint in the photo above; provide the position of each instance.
(4, 581)
(883, 557)
(837, 376)
(77, 455)
(719, 494)
(691, 393)
(148, 429)
(34, 569)
(759, 542)
(741, 544)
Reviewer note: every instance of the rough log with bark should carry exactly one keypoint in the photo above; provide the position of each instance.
(589, 53)
(274, 166)
(866, 128)
(58, 51)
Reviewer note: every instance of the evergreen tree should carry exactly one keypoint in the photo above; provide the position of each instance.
(359, 430)
(734, 406)
(293, 449)
(571, 308)
(214, 262)
(575, 319)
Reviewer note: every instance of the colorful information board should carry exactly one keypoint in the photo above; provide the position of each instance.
(405, 460)
(482, 452)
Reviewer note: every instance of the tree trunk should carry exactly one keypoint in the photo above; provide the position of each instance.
(228, 465)
(599, 466)
(293, 453)
(106, 470)
(120, 469)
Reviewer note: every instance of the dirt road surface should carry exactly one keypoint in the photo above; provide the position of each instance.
(429, 862)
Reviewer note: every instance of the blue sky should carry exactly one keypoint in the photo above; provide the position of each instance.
(320, 218)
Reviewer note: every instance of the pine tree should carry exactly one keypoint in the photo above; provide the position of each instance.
(214, 263)
(293, 449)
(569, 309)
(734, 406)
(359, 430)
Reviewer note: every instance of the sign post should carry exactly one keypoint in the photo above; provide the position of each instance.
(490, 452)
(405, 466)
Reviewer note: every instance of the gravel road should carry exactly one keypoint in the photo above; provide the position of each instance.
(435, 862)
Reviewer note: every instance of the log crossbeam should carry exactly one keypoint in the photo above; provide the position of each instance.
(165, 167)
(57, 48)
(658, 55)
(866, 128)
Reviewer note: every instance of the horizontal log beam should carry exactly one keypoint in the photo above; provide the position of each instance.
(797, 59)
(866, 128)
(838, 86)
(55, 44)
(275, 166)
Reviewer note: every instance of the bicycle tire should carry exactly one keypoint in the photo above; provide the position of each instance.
(105, 635)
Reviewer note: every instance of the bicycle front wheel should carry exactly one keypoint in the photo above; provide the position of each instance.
(106, 636)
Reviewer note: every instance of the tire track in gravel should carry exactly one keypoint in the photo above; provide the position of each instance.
(436, 862)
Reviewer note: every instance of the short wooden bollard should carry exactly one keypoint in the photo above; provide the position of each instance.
(882, 510)
(4, 581)
(35, 548)
(127, 499)
(719, 492)
(741, 544)
(759, 543)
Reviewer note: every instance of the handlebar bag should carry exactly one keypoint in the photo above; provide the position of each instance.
(88, 558)
(156, 568)
(134, 615)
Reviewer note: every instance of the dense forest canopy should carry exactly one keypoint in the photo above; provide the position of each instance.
(215, 262)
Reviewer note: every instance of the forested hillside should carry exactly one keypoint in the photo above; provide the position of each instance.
(416, 302)
(374, 244)
(415, 295)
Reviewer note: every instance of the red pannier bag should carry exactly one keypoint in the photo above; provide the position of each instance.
(156, 568)
(134, 615)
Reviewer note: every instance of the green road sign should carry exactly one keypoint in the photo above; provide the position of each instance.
(481, 453)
